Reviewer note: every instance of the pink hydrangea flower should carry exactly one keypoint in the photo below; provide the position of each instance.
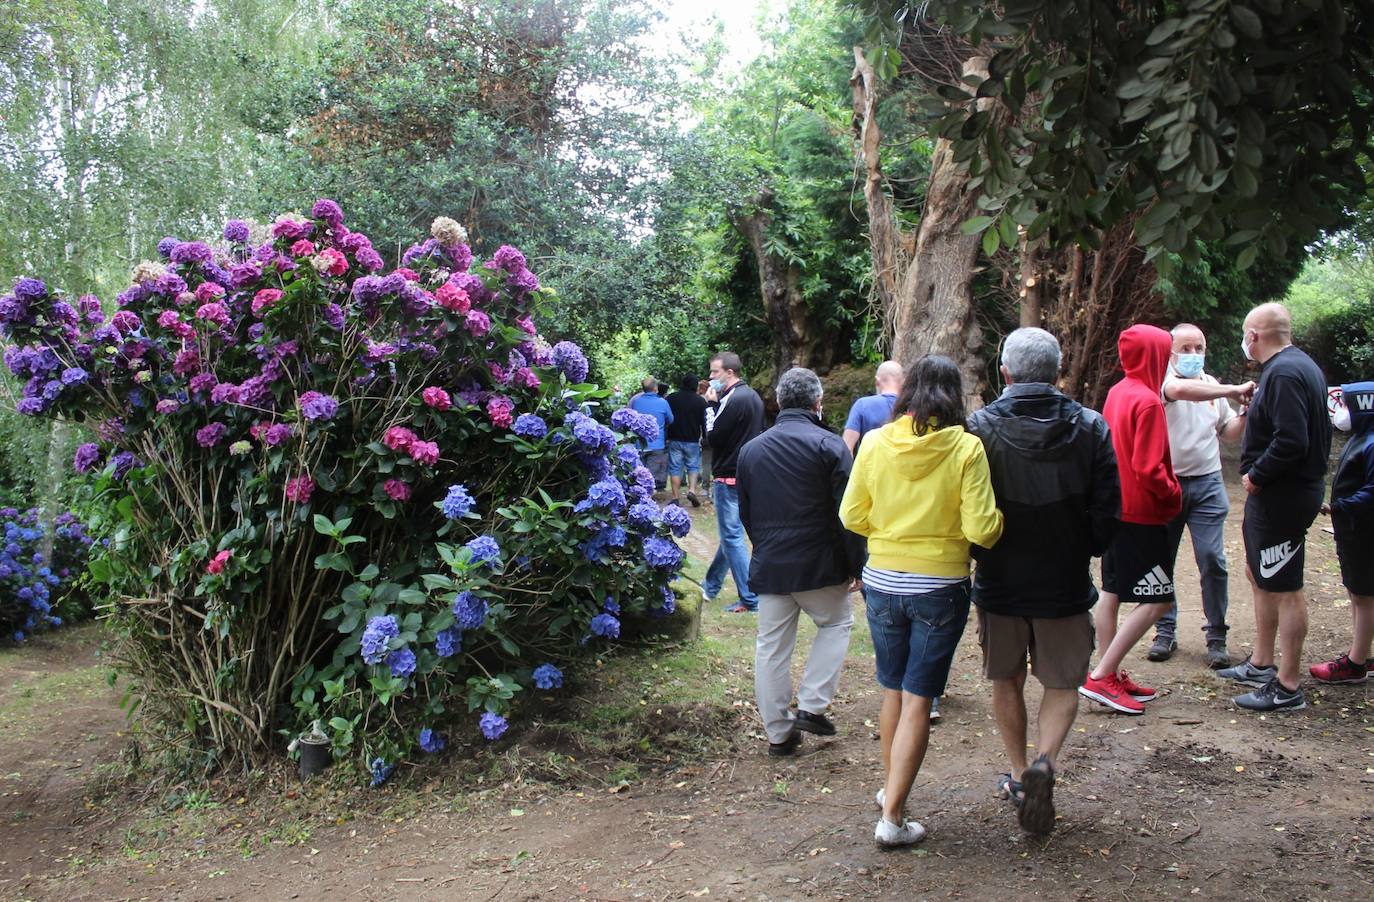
(453, 298)
(168, 318)
(213, 312)
(498, 372)
(218, 562)
(125, 321)
(331, 261)
(437, 398)
(300, 488)
(187, 362)
(525, 378)
(409, 275)
(424, 452)
(499, 409)
(398, 438)
(526, 325)
(303, 248)
(397, 490)
(276, 434)
(264, 299)
(209, 291)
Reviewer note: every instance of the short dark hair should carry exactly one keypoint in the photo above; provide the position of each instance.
(933, 390)
(688, 383)
(729, 360)
(798, 388)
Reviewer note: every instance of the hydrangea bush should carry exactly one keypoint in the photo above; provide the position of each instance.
(35, 590)
(376, 499)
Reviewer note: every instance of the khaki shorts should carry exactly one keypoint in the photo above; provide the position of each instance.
(1059, 648)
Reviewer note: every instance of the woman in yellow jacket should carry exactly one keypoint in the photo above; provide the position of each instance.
(921, 493)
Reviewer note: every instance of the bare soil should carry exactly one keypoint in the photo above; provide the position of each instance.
(1194, 799)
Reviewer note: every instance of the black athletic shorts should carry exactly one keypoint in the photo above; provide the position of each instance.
(1275, 533)
(1138, 566)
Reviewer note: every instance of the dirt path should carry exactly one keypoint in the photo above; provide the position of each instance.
(1193, 799)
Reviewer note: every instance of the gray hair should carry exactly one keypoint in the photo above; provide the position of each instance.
(1031, 355)
(799, 387)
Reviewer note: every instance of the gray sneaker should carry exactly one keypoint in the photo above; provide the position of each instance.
(1218, 658)
(1163, 648)
(1272, 697)
(1248, 674)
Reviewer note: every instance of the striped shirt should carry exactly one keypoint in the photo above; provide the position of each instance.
(895, 582)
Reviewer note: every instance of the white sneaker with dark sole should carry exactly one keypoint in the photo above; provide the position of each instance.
(890, 835)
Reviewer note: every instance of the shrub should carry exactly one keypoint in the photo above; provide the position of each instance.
(339, 495)
(36, 593)
(1341, 339)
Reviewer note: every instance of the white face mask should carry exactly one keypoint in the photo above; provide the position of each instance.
(1340, 418)
(1245, 346)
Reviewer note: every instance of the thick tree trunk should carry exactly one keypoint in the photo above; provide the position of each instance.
(925, 281)
(798, 339)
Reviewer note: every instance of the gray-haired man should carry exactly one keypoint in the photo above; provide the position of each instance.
(791, 481)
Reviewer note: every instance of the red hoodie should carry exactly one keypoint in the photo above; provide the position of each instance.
(1149, 491)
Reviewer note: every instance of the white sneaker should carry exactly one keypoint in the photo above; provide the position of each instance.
(882, 794)
(904, 834)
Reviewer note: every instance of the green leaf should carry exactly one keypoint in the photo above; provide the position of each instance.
(324, 526)
(976, 224)
(1246, 258)
(991, 241)
(1247, 22)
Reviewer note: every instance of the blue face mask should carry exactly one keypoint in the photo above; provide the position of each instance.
(1189, 365)
(717, 384)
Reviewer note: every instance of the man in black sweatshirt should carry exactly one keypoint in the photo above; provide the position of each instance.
(1283, 468)
(738, 419)
(1055, 477)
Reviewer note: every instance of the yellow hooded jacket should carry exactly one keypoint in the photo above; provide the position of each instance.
(921, 499)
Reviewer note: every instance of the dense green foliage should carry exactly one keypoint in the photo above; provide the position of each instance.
(1332, 302)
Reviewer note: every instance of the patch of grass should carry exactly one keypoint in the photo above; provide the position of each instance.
(24, 711)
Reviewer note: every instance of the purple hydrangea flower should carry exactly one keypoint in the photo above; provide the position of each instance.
(569, 358)
(211, 435)
(508, 258)
(470, 610)
(402, 662)
(430, 741)
(86, 457)
(316, 406)
(236, 231)
(193, 252)
(493, 725)
(74, 375)
(529, 425)
(457, 503)
(606, 626)
(166, 246)
(661, 553)
(334, 316)
(327, 210)
(380, 631)
(484, 550)
(546, 676)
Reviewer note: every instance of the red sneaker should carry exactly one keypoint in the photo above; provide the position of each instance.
(1341, 670)
(1135, 690)
(1110, 692)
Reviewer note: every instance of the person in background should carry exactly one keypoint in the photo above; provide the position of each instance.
(1055, 478)
(921, 494)
(708, 395)
(1196, 411)
(872, 411)
(1352, 518)
(1137, 567)
(1283, 469)
(655, 453)
(791, 481)
(739, 418)
(685, 432)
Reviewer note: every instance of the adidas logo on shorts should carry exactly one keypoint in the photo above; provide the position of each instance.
(1156, 582)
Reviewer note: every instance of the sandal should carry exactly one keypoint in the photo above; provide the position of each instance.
(1010, 789)
(1036, 813)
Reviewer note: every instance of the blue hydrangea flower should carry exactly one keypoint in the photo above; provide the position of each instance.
(669, 602)
(611, 606)
(628, 455)
(546, 676)
(381, 771)
(531, 426)
(380, 631)
(606, 494)
(470, 610)
(677, 520)
(430, 741)
(641, 424)
(484, 550)
(597, 548)
(661, 553)
(606, 626)
(448, 642)
(493, 725)
(569, 358)
(402, 662)
(457, 503)
(644, 516)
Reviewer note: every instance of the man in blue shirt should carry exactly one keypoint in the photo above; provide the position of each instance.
(874, 410)
(655, 453)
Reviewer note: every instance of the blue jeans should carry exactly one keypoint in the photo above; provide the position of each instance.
(1205, 506)
(915, 636)
(732, 553)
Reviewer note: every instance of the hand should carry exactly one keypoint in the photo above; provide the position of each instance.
(1242, 393)
(856, 585)
(1250, 487)
(1326, 509)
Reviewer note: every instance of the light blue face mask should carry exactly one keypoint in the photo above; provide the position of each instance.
(1189, 365)
(717, 384)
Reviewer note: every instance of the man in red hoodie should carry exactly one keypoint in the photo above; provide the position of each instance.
(1138, 565)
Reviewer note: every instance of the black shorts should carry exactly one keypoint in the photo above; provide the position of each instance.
(1353, 551)
(1138, 566)
(1275, 533)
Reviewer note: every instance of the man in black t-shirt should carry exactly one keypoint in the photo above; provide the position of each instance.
(1283, 468)
(684, 439)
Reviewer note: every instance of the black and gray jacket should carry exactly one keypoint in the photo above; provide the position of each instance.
(1055, 478)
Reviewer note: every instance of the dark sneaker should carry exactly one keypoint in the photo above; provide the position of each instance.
(1341, 670)
(692, 497)
(1036, 811)
(787, 747)
(1163, 649)
(814, 723)
(1272, 697)
(1218, 658)
(1249, 674)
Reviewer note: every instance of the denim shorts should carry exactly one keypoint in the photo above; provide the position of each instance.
(915, 636)
(683, 456)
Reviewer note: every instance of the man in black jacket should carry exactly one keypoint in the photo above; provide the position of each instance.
(791, 482)
(1054, 474)
(739, 417)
